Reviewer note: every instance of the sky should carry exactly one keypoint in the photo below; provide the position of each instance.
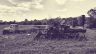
(40, 9)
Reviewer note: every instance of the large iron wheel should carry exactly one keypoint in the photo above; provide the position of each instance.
(50, 34)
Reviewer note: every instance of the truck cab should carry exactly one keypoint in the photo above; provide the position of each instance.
(10, 29)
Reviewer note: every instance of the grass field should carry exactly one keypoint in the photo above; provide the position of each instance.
(24, 44)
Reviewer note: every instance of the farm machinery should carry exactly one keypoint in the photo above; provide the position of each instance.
(21, 29)
(15, 28)
(49, 31)
(63, 32)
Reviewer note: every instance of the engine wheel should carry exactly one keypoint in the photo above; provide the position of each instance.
(82, 37)
(50, 33)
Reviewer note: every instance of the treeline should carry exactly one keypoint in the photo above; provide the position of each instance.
(32, 22)
(72, 21)
(82, 20)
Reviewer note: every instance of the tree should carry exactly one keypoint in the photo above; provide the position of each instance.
(91, 21)
(25, 22)
(92, 13)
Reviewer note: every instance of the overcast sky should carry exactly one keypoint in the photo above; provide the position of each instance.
(40, 9)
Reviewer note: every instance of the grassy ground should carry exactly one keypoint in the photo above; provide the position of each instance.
(24, 44)
(47, 47)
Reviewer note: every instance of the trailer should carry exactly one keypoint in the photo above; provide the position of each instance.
(15, 29)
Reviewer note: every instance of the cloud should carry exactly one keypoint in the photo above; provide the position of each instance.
(78, 0)
(4, 8)
(8, 9)
(19, 1)
(24, 5)
(61, 10)
(20, 6)
(30, 4)
(39, 6)
(5, 2)
(61, 2)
